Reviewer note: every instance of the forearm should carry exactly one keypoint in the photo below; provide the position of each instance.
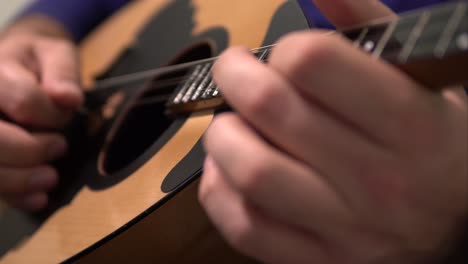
(38, 24)
(77, 17)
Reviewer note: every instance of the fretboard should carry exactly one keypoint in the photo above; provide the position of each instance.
(430, 45)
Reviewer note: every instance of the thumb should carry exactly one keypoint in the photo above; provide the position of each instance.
(59, 72)
(347, 13)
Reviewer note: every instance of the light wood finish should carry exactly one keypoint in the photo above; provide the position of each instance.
(94, 215)
(102, 47)
(178, 232)
(246, 21)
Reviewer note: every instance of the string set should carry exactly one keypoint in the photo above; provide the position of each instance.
(113, 82)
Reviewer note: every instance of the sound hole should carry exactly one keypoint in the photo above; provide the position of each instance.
(144, 120)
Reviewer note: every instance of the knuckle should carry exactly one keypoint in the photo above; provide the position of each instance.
(256, 175)
(209, 184)
(227, 60)
(12, 73)
(21, 104)
(58, 45)
(216, 127)
(204, 191)
(386, 183)
(220, 129)
(12, 183)
(421, 135)
(310, 52)
(241, 236)
(8, 188)
(11, 43)
(31, 152)
(37, 154)
(263, 98)
(63, 53)
(21, 90)
(421, 130)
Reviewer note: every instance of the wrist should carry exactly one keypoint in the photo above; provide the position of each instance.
(38, 25)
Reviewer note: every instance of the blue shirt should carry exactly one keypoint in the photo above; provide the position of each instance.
(315, 18)
(81, 16)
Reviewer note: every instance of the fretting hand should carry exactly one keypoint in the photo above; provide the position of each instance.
(333, 156)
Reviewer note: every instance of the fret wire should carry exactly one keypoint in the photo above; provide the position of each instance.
(383, 37)
(362, 35)
(196, 80)
(384, 40)
(202, 86)
(186, 85)
(110, 83)
(414, 36)
(449, 31)
(208, 90)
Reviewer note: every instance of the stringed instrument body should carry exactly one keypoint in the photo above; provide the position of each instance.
(129, 184)
(111, 204)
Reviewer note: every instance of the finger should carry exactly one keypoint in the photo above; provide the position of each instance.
(280, 195)
(346, 13)
(367, 94)
(302, 129)
(30, 202)
(59, 72)
(250, 232)
(23, 149)
(277, 184)
(27, 180)
(24, 102)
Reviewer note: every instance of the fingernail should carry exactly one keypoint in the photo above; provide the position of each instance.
(57, 149)
(35, 202)
(43, 179)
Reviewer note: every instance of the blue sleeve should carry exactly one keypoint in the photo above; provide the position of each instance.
(78, 16)
(318, 20)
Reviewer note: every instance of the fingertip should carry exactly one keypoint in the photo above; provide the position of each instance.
(56, 148)
(231, 57)
(34, 202)
(43, 179)
(67, 94)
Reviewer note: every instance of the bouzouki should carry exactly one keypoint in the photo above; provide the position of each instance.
(129, 184)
